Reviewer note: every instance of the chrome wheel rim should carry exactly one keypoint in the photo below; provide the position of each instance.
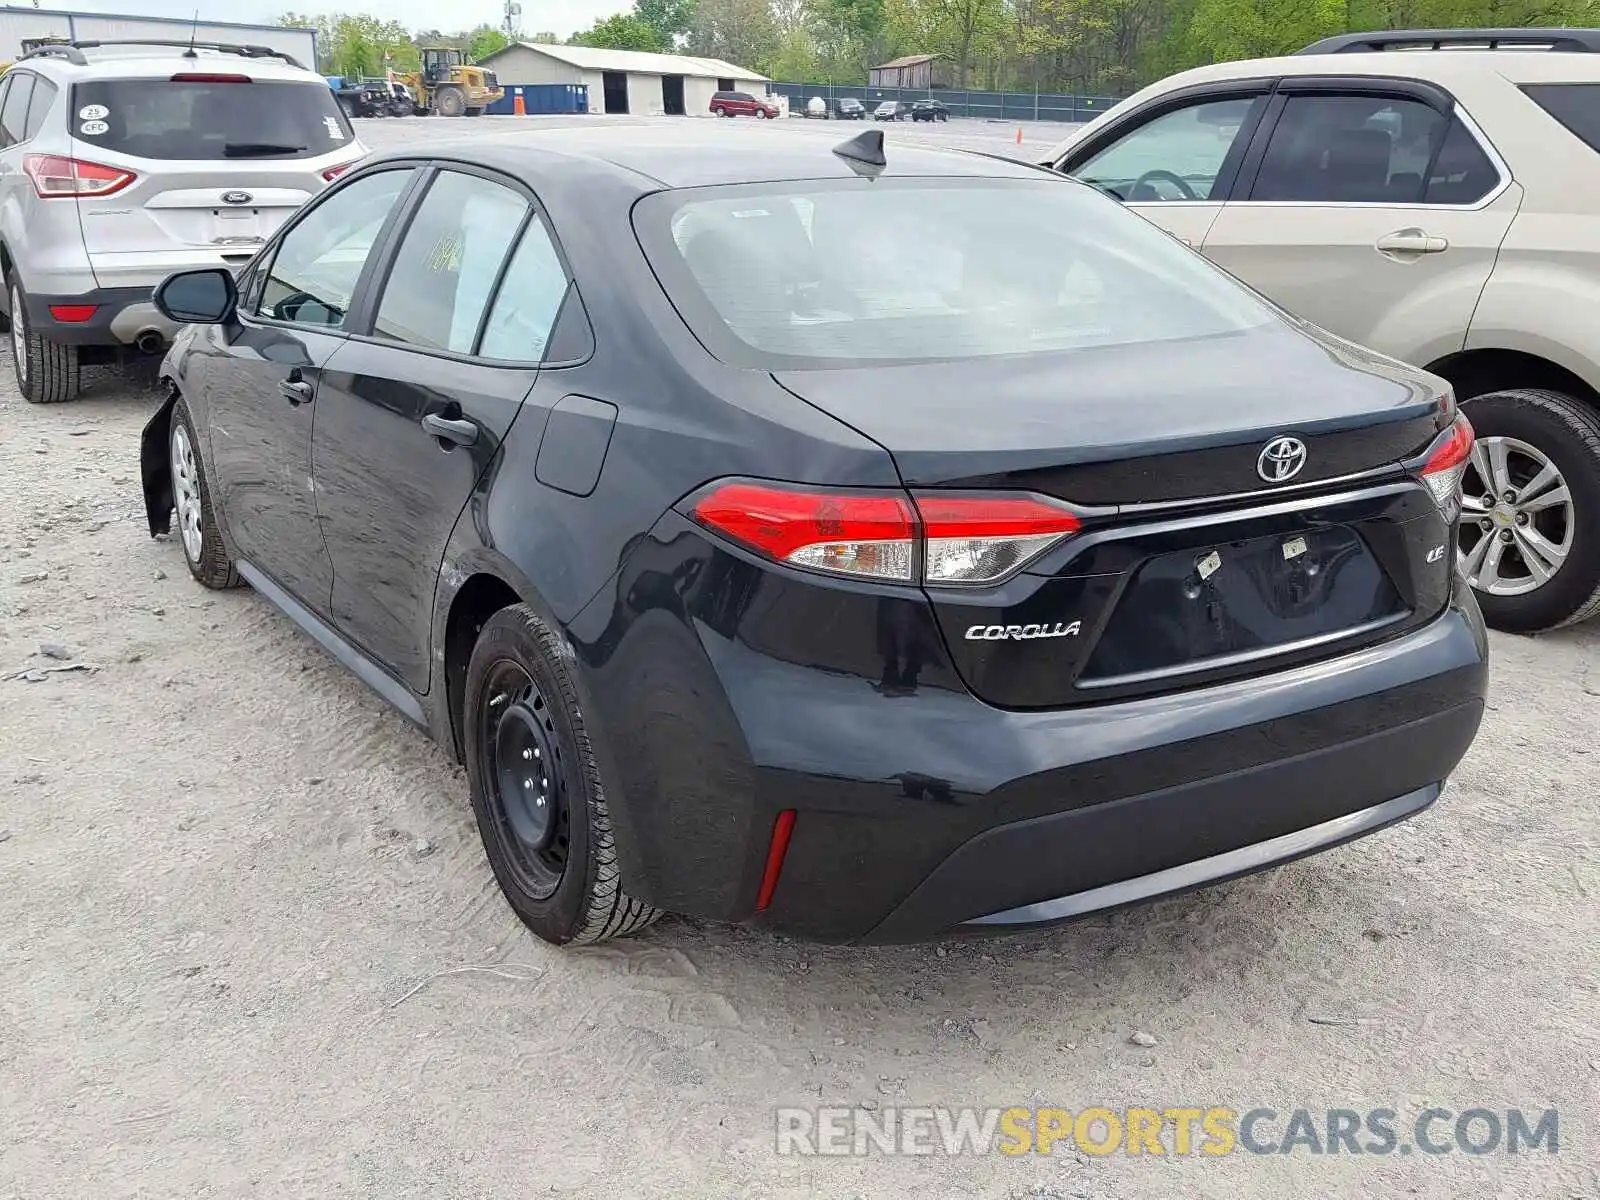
(19, 333)
(186, 492)
(1517, 519)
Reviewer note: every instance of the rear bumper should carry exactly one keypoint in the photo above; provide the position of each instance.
(922, 811)
(120, 316)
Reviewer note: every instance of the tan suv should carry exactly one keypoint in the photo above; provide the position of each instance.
(1433, 195)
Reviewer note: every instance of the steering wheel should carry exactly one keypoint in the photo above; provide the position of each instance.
(1165, 177)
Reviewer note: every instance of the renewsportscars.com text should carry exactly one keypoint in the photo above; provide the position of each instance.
(1173, 1131)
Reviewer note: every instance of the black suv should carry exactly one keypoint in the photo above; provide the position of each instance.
(760, 566)
(929, 110)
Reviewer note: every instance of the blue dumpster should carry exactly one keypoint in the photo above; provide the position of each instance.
(543, 98)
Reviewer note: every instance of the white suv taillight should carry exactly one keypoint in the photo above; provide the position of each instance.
(55, 176)
(1446, 465)
(960, 539)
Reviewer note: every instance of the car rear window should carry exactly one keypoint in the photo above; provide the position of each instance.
(1575, 105)
(204, 120)
(839, 272)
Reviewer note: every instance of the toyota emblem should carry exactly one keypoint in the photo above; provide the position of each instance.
(237, 197)
(1281, 459)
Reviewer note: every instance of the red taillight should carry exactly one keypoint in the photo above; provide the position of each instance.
(54, 176)
(849, 533)
(782, 830)
(979, 539)
(1447, 464)
(960, 539)
(73, 314)
(333, 173)
(202, 77)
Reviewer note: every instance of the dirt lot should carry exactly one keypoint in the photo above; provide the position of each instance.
(249, 945)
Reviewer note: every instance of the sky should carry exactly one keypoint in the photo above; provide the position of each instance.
(559, 16)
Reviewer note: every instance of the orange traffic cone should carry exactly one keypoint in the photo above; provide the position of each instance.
(1019, 135)
(517, 105)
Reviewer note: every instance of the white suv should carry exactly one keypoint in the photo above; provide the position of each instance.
(1433, 195)
(121, 162)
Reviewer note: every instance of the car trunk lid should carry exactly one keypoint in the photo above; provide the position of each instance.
(1193, 563)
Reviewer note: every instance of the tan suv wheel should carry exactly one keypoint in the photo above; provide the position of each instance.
(1530, 522)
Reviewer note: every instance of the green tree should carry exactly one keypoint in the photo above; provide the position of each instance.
(484, 41)
(742, 32)
(624, 31)
(669, 18)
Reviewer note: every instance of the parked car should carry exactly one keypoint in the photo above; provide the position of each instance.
(850, 109)
(891, 110)
(375, 98)
(121, 162)
(1412, 203)
(929, 110)
(816, 108)
(942, 595)
(742, 104)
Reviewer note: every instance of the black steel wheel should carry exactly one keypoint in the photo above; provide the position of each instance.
(537, 786)
(524, 766)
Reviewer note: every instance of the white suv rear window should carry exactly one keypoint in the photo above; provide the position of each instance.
(208, 119)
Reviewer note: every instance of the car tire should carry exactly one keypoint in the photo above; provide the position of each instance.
(548, 836)
(1520, 433)
(450, 101)
(196, 524)
(761, 114)
(47, 372)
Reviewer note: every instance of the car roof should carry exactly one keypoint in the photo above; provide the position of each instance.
(1518, 66)
(161, 62)
(706, 155)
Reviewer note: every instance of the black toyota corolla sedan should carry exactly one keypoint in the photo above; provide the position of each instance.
(865, 549)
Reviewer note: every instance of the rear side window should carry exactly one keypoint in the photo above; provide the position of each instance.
(14, 111)
(206, 121)
(1462, 173)
(447, 266)
(1575, 105)
(44, 94)
(914, 270)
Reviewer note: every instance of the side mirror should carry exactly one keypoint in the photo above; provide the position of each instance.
(203, 297)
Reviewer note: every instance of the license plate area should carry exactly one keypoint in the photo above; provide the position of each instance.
(1196, 609)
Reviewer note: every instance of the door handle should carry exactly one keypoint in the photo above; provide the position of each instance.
(296, 390)
(1411, 241)
(457, 433)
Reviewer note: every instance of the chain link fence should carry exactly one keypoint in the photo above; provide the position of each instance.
(994, 106)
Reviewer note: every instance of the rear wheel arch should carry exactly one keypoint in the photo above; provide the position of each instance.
(483, 594)
(1477, 372)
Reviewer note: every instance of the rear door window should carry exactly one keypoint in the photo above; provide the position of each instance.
(448, 263)
(14, 110)
(1350, 149)
(529, 299)
(206, 120)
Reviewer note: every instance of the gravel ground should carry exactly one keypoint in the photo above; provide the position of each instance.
(249, 944)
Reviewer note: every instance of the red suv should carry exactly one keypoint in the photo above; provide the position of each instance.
(741, 104)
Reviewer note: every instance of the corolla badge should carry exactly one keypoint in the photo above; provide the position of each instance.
(1281, 459)
(237, 197)
(1022, 633)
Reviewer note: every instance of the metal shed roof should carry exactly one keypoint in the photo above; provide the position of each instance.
(593, 58)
